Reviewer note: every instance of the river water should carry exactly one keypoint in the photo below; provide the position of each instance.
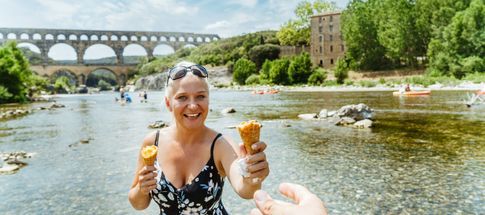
(425, 155)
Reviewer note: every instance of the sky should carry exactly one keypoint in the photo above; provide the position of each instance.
(226, 18)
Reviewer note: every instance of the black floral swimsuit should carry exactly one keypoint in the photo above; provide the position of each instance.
(201, 196)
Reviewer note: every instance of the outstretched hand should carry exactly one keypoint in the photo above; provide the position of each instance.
(257, 165)
(304, 201)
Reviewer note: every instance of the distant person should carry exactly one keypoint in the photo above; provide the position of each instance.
(145, 95)
(128, 98)
(193, 160)
(407, 88)
(122, 93)
(305, 202)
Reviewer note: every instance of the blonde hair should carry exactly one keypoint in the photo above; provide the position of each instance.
(169, 86)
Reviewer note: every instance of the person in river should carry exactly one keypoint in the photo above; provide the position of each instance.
(193, 160)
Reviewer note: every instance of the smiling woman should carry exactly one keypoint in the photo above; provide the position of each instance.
(192, 159)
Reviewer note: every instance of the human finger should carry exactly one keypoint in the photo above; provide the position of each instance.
(257, 166)
(295, 192)
(242, 151)
(255, 158)
(258, 146)
(266, 205)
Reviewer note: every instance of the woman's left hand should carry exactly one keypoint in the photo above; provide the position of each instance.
(257, 165)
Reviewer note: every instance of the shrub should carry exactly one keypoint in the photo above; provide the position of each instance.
(341, 71)
(317, 77)
(243, 68)
(264, 72)
(300, 69)
(103, 85)
(252, 80)
(278, 74)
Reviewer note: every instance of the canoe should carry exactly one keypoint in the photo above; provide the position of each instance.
(480, 92)
(412, 93)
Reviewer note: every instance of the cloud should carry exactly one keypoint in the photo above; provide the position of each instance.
(217, 25)
(245, 3)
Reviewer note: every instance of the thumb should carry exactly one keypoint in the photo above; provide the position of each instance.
(242, 150)
(264, 202)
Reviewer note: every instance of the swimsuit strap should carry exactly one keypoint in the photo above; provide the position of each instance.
(213, 143)
(156, 138)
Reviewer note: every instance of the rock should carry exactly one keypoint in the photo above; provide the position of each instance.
(331, 113)
(158, 124)
(356, 112)
(228, 110)
(9, 169)
(323, 113)
(308, 116)
(56, 105)
(345, 121)
(366, 123)
(84, 141)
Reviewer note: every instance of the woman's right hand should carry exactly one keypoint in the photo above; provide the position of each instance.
(147, 179)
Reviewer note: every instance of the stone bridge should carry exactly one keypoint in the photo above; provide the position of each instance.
(81, 40)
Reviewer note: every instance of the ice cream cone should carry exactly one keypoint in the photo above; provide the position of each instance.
(249, 132)
(149, 154)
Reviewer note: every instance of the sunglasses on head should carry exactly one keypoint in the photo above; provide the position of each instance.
(180, 72)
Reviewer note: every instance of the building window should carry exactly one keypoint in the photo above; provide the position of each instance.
(331, 48)
(321, 38)
(320, 49)
(319, 19)
(331, 61)
(330, 28)
(331, 18)
(320, 29)
(321, 62)
(342, 47)
(331, 37)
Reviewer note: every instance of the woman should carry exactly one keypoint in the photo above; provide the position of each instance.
(192, 159)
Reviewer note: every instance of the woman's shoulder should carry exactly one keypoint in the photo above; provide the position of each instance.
(151, 137)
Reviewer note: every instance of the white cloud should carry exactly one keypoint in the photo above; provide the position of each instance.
(217, 25)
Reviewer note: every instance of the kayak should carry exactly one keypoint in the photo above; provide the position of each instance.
(412, 93)
(480, 92)
(261, 92)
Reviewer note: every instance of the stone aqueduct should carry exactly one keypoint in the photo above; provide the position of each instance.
(81, 40)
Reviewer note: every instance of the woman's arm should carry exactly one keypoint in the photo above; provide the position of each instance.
(144, 181)
(258, 168)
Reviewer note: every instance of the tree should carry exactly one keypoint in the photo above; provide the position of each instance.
(278, 74)
(461, 47)
(300, 69)
(297, 32)
(243, 68)
(258, 54)
(341, 72)
(15, 74)
(360, 34)
(317, 77)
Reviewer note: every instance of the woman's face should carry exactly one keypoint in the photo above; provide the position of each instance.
(189, 101)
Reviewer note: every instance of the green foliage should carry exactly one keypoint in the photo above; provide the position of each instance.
(341, 71)
(15, 74)
(367, 83)
(252, 80)
(300, 69)
(317, 77)
(477, 77)
(103, 85)
(297, 32)
(264, 72)
(63, 85)
(258, 54)
(243, 68)
(455, 51)
(278, 74)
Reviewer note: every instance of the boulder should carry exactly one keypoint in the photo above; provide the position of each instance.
(158, 124)
(366, 123)
(228, 110)
(323, 113)
(345, 121)
(308, 116)
(356, 112)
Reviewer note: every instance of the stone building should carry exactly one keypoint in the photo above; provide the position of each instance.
(326, 41)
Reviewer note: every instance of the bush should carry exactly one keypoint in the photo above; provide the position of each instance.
(341, 71)
(317, 77)
(15, 74)
(300, 69)
(243, 68)
(278, 74)
(473, 64)
(475, 77)
(252, 80)
(264, 72)
(103, 85)
(260, 53)
(62, 85)
(367, 83)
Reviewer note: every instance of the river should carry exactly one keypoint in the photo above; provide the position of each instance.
(425, 155)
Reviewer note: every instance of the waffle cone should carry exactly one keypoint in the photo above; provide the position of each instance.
(249, 132)
(149, 154)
